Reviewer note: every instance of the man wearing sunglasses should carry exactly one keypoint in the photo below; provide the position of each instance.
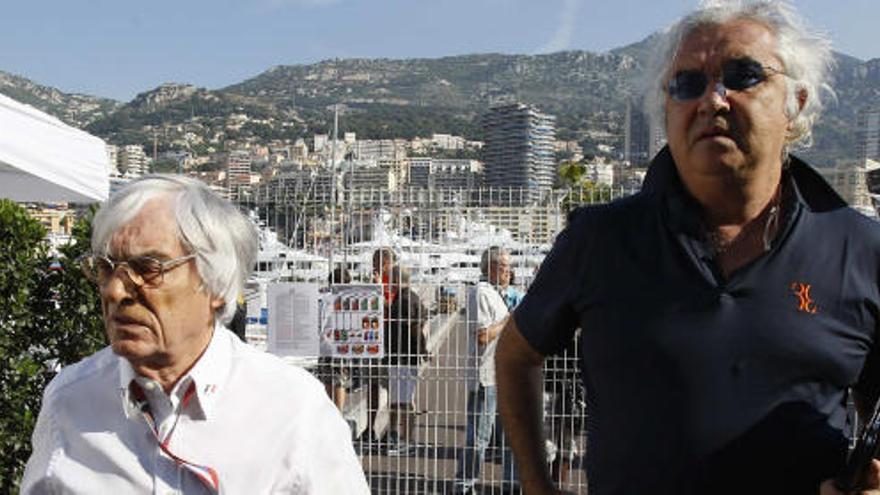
(729, 308)
(177, 403)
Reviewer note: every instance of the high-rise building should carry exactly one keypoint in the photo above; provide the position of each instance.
(643, 138)
(868, 133)
(132, 160)
(113, 156)
(519, 148)
(238, 172)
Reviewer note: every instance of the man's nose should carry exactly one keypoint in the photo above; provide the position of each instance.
(119, 285)
(714, 99)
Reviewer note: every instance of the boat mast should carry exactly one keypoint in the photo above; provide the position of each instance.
(333, 199)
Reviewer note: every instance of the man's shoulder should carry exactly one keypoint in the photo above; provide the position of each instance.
(264, 370)
(96, 366)
(486, 290)
(487, 295)
(858, 234)
(92, 373)
(613, 212)
(483, 285)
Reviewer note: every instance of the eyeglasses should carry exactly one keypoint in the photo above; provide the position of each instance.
(141, 270)
(737, 75)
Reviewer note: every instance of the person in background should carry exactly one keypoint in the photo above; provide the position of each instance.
(728, 308)
(383, 260)
(404, 351)
(239, 319)
(512, 296)
(177, 403)
(486, 313)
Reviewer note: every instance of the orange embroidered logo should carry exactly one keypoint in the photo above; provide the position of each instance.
(805, 303)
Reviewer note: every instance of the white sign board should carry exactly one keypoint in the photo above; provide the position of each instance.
(293, 319)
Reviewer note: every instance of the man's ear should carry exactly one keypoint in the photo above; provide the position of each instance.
(801, 99)
(217, 302)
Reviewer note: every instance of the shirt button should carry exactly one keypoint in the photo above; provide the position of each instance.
(150, 385)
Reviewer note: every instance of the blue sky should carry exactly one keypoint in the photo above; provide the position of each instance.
(118, 48)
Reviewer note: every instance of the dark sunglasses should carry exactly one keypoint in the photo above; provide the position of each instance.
(736, 74)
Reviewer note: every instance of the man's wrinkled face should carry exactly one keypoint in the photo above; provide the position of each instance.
(727, 131)
(161, 326)
(499, 270)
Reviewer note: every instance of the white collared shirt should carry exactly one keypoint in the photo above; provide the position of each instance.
(262, 425)
(485, 306)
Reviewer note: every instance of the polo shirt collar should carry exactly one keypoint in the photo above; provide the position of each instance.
(208, 376)
(811, 189)
(681, 209)
(808, 187)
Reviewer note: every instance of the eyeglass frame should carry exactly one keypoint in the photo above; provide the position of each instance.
(136, 278)
(720, 87)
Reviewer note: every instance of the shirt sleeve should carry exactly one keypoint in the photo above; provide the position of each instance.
(546, 317)
(43, 440)
(488, 303)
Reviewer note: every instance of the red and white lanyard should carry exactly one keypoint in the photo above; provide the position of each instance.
(206, 474)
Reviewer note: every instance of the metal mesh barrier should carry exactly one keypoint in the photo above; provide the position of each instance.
(410, 412)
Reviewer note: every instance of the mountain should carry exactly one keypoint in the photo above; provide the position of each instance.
(466, 83)
(75, 109)
(382, 98)
(585, 90)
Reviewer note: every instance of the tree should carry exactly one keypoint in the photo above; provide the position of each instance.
(581, 190)
(572, 174)
(49, 318)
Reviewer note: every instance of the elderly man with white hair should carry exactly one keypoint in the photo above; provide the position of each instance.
(728, 310)
(486, 312)
(177, 403)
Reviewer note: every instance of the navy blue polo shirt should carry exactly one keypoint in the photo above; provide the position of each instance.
(697, 384)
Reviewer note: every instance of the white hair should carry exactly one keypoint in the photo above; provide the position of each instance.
(223, 239)
(805, 54)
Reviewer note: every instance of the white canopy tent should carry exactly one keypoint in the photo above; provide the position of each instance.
(45, 160)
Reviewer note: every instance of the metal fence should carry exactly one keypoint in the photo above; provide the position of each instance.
(409, 414)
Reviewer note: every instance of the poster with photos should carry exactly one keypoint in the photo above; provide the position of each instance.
(352, 321)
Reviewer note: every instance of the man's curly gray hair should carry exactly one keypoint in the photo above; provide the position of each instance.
(805, 54)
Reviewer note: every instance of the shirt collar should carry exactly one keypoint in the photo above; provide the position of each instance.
(208, 374)
(808, 188)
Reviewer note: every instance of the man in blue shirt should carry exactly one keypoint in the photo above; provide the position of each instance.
(727, 308)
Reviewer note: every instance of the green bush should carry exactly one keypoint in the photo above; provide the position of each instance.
(49, 317)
